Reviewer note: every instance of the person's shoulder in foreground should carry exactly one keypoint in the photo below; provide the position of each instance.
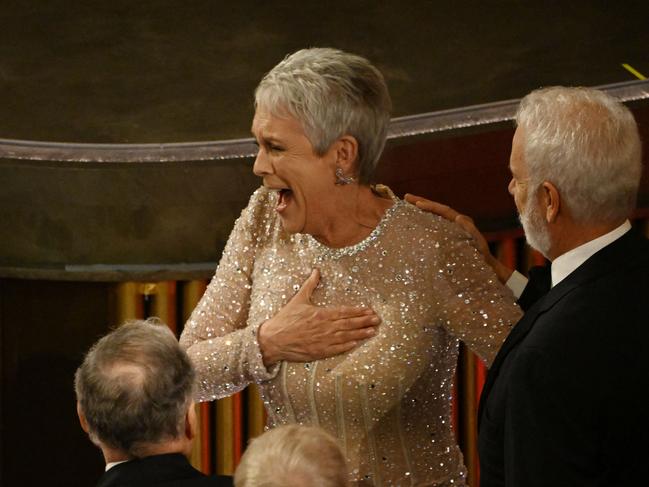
(167, 470)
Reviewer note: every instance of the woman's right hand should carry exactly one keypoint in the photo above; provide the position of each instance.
(302, 332)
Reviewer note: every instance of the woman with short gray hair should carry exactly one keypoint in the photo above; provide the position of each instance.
(317, 351)
(342, 94)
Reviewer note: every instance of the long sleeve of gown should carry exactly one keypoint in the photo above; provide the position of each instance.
(217, 337)
(478, 309)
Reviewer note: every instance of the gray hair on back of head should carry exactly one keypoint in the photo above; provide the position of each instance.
(135, 386)
(331, 93)
(587, 144)
(292, 456)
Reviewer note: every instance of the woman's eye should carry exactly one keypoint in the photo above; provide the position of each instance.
(275, 148)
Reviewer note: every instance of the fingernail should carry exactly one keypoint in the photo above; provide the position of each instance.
(376, 320)
(371, 331)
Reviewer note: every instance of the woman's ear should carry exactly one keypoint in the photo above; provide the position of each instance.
(551, 201)
(347, 154)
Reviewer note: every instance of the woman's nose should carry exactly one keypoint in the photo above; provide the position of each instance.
(262, 166)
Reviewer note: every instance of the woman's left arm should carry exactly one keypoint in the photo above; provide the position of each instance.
(478, 309)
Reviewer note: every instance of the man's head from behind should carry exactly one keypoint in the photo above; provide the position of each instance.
(581, 143)
(134, 392)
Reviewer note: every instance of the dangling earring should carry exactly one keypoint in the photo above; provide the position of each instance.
(341, 179)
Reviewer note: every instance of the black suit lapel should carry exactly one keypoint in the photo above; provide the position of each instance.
(520, 331)
(539, 284)
(537, 288)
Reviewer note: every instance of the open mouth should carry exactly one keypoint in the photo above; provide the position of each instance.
(285, 196)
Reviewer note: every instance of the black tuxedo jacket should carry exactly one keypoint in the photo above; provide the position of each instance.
(171, 470)
(565, 401)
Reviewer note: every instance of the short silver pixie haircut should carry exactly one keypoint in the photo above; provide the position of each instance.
(293, 456)
(587, 144)
(331, 93)
(134, 387)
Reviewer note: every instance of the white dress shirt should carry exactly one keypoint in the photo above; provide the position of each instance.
(566, 263)
(516, 283)
(110, 465)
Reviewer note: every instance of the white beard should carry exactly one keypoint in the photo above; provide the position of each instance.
(535, 228)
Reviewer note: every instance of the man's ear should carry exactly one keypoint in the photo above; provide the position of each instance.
(551, 200)
(347, 154)
(191, 422)
(82, 419)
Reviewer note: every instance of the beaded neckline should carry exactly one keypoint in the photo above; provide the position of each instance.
(329, 253)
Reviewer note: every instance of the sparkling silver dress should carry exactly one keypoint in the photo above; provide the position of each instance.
(388, 401)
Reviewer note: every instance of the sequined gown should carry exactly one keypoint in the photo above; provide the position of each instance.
(388, 401)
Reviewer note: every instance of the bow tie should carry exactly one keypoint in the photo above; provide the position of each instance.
(540, 282)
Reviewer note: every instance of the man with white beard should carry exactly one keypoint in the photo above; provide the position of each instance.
(563, 403)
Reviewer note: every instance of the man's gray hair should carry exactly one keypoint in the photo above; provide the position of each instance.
(135, 386)
(587, 144)
(331, 93)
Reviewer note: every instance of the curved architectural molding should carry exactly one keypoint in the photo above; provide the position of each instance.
(116, 212)
(425, 123)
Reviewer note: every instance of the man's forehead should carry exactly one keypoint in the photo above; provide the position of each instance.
(516, 161)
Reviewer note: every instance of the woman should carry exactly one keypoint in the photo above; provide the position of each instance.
(321, 121)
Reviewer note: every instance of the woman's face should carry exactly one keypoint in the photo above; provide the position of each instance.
(288, 164)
